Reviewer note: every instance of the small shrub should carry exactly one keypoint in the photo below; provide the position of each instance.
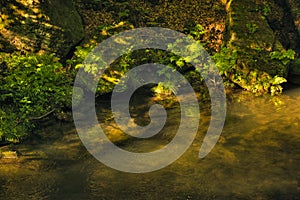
(284, 56)
(31, 85)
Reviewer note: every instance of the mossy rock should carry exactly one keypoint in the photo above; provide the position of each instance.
(251, 38)
(295, 11)
(295, 67)
(39, 26)
(176, 15)
(284, 19)
(294, 72)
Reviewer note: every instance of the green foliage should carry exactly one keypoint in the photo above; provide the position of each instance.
(31, 85)
(284, 56)
(225, 60)
(277, 80)
(252, 28)
(165, 88)
(192, 51)
(79, 55)
(258, 82)
(116, 70)
(101, 33)
(197, 32)
(124, 13)
(10, 125)
(266, 10)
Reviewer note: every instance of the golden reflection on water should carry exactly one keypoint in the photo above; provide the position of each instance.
(256, 157)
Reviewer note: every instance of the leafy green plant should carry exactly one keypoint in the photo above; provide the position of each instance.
(11, 128)
(256, 81)
(197, 32)
(225, 60)
(31, 86)
(111, 76)
(284, 56)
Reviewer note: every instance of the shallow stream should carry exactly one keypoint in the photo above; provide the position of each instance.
(256, 157)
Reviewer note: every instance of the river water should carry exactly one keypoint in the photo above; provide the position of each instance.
(256, 157)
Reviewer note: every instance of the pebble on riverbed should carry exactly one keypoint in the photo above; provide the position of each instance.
(9, 154)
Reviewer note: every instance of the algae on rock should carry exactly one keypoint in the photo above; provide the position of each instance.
(252, 40)
(52, 26)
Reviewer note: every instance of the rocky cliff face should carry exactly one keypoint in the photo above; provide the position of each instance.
(39, 26)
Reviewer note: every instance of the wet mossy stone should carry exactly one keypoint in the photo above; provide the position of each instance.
(35, 26)
(251, 38)
(284, 19)
(295, 10)
(294, 72)
(295, 67)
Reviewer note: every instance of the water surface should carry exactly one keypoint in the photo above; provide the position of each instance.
(256, 157)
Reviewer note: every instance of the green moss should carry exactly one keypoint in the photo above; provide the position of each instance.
(251, 40)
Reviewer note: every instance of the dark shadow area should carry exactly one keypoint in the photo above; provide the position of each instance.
(282, 21)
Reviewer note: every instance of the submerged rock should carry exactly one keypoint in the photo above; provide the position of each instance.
(39, 26)
(9, 154)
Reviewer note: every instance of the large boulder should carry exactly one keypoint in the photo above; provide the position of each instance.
(284, 19)
(294, 72)
(252, 40)
(39, 26)
(285, 22)
(295, 11)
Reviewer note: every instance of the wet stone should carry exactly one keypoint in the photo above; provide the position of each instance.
(9, 155)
